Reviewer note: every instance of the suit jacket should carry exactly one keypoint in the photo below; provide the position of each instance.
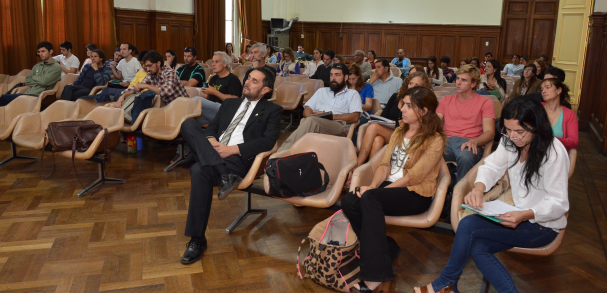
(261, 131)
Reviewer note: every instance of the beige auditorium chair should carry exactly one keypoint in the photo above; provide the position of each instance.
(298, 77)
(10, 115)
(240, 71)
(509, 87)
(233, 66)
(289, 96)
(275, 65)
(256, 170)
(279, 80)
(312, 85)
(338, 160)
(4, 78)
(449, 85)
(363, 176)
(11, 82)
(465, 186)
(395, 71)
(209, 63)
(165, 123)
(31, 128)
(376, 107)
(23, 72)
(208, 72)
(111, 119)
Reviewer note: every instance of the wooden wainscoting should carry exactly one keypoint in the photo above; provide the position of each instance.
(144, 30)
(593, 105)
(418, 41)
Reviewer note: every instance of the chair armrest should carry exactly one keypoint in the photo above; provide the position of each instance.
(10, 127)
(351, 129)
(155, 117)
(2, 122)
(487, 150)
(20, 90)
(250, 177)
(97, 89)
(28, 123)
(362, 176)
(45, 94)
(339, 183)
(118, 126)
(572, 160)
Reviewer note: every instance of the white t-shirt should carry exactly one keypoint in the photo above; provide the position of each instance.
(397, 162)
(69, 63)
(129, 69)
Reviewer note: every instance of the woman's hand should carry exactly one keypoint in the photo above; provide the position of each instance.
(513, 219)
(474, 198)
(361, 190)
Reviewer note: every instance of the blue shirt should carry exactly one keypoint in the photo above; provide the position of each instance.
(366, 92)
(345, 102)
(384, 90)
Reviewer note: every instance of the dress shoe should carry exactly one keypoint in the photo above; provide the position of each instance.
(194, 251)
(227, 184)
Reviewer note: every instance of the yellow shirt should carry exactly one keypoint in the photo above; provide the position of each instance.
(141, 74)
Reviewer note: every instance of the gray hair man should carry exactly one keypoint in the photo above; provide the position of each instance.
(259, 51)
(365, 67)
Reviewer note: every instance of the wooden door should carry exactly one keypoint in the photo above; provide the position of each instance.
(528, 28)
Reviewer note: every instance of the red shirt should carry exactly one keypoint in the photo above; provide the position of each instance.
(465, 118)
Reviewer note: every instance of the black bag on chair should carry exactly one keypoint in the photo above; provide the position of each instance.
(296, 175)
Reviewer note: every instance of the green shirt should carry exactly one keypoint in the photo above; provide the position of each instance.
(557, 128)
(43, 76)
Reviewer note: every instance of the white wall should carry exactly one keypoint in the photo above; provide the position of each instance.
(175, 6)
(473, 12)
(600, 6)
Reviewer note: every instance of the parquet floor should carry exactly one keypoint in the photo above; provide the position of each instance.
(129, 238)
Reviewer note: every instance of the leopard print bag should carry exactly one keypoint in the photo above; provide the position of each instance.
(333, 259)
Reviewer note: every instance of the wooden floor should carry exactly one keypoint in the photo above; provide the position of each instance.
(129, 238)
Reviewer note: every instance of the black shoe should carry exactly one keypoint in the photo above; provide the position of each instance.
(194, 251)
(363, 288)
(227, 184)
(188, 162)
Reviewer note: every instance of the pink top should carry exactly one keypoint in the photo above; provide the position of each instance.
(465, 118)
(570, 137)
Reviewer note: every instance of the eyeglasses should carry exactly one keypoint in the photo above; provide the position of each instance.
(504, 133)
(528, 70)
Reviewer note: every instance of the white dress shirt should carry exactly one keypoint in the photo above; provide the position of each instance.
(547, 197)
(345, 102)
(237, 136)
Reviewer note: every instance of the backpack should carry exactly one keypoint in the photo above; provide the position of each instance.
(296, 175)
(333, 259)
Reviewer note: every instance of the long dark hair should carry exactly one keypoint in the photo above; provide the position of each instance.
(435, 69)
(564, 95)
(497, 74)
(523, 81)
(174, 63)
(532, 116)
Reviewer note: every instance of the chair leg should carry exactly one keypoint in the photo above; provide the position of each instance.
(101, 179)
(485, 286)
(14, 156)
(244, 214)
(290, 123)
(178, 161)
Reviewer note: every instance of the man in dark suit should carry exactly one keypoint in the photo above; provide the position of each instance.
(224, 152)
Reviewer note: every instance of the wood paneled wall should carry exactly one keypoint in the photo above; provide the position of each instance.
(418, 41)
(144, 30)
(593, 104)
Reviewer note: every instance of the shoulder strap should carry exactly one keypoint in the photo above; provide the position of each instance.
(298, 252)
(324, 186)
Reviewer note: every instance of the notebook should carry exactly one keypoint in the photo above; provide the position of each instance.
(492, 209)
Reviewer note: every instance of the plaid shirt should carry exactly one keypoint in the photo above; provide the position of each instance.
(168, 82)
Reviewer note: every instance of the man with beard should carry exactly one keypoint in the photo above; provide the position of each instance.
(344, 103)
(224, 151)
(127, 68)
(258, 51)
(192, 74)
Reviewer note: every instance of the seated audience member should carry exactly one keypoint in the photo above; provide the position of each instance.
(528, 83)
(383, 82)
(271, 58)
(191, 74)
(524, 60)
(402, 63)
(223, 85)
(371, 58)
(323, 71)
(540, 67)
(128, 67)
(161, 80)
(246, 56)
(230, 52)
(417, 68)
(69, 62)
(476, 63)
(339, 59)
(116, 59)
(112, 94)
(355, 82)
(344, 103)
(545, 59)
(89, 49)
(448, 73)
(312, 66)
(365, 67)
(378, 135)
(225, 150)
(435, 74)
(288, 64)
(551, 72)
(488, 56)
(301, 55)
(171, 59)
(492, 82)
(469, 121)
(259, 51)
(562, 120)
(515, 68)
(403, 185)
(43, 76)
(463, 62)
(540, 166)
(92, 75)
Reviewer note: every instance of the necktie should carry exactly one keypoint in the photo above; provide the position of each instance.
(226, 136)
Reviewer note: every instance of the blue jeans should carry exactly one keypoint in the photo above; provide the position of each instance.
(142, 102)
(465, 159)
(480, 238)
(5, 99)
(209, 110)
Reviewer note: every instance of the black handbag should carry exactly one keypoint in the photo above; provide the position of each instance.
(296, 175)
